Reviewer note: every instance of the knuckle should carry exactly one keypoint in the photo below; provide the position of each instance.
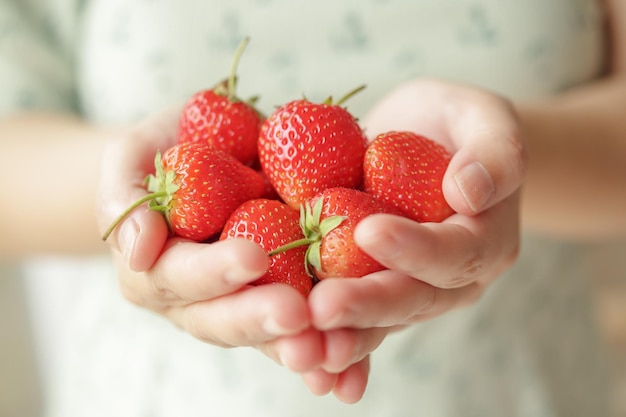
(159, 290)
(469, 272)
(428, 304)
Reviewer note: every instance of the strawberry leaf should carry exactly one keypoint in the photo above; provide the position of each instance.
(310, 219)
(313, 257)
(329, 224)
(303, 216)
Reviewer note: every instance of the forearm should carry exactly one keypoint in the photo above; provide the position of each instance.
(48, 176)
(576, 184)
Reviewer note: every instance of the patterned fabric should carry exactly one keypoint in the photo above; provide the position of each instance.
(529, 348)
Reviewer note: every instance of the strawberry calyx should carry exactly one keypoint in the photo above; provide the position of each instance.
(314, 230)
(161, 186)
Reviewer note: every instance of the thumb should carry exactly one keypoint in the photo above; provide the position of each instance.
(490, 162)
(140, 235)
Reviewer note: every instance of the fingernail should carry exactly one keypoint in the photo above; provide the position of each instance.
(476, 185)
(127, 236)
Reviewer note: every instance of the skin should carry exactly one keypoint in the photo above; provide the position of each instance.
(46, 185)
(433, 268)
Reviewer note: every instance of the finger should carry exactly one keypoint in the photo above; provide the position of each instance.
(320, 382)
(125, 164)
(491, 158)
(352, 382)
(347, 346)
(140, 237)
(451, 254)
(187, 272)
(446, 255)
(300, 353)
(348, 386)
(250, 317)
(383, 299)
(334, 351)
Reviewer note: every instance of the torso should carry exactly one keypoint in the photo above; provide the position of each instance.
(136, 57)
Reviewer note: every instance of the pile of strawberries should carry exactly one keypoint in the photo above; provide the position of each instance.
(296, 182)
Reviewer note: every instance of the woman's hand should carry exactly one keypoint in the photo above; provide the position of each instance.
(202, 288)
(433, 267)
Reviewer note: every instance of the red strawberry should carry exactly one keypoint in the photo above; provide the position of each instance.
(331, 222)
(306, 147)
(270, 193)
(218, 117)
(406, 170)
(271, 224)
(197, 187)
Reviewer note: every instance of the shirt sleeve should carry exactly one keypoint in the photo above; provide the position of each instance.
(36, 66)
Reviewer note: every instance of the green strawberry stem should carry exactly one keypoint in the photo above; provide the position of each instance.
(143, 200)
(291, 245)
(228, 86)
(329, 101)
(232, 78)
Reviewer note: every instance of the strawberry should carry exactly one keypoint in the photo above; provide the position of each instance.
(406, 170)
(218, 117)
(306, 147)
(270, 193)
(338, 254)
(271, 224)
(197, 187)
(328, 222)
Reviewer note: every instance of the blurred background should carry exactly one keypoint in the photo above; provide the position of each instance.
(19, 390)
(20, 395)
(610, 299)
